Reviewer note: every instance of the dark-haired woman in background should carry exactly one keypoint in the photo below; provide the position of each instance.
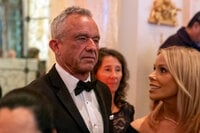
(112, 70)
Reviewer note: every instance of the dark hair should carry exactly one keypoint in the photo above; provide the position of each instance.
(120, 94)
(33, 52)
(33, 101)
(195, 18)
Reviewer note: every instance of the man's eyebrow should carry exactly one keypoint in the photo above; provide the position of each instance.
(81, 34)
(87, 35)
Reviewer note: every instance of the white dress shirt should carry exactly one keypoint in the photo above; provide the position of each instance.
(86, 102)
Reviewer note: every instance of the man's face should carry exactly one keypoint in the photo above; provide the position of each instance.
(196, 32)
(78, 49)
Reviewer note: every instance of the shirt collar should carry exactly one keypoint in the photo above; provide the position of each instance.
(69, 80)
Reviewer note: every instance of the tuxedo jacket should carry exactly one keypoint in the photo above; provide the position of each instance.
(67, 116)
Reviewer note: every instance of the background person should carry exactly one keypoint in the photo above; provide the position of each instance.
(11, 54)
(1, 91)
(174, 90)
(25, 111)
(33, 53)
(1, 53)
(112, 70)
(75, 43)
(186, 36)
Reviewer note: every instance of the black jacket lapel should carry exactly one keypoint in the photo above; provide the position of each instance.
(104, 106)
(66, 99)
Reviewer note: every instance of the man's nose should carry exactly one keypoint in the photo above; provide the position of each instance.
(91, 44)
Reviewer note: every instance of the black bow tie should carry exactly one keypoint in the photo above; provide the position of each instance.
(88, 86)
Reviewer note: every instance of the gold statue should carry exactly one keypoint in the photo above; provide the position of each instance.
(164, 12)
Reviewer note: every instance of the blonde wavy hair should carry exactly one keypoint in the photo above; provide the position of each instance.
(184, 66)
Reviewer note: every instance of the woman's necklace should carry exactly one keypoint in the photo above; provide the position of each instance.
(171, 120)
(168, 118)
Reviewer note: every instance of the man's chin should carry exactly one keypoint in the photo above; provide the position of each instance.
(87, 68)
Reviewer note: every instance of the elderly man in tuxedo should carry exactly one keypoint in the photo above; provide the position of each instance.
(79, 106)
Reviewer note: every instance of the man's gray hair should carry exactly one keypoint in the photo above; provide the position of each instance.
(57, 25)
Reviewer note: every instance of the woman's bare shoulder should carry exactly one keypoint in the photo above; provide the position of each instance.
(138, 122)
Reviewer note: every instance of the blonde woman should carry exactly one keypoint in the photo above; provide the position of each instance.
(175, 92)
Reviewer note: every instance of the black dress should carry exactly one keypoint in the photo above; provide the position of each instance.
(130, 129)
(121, 119)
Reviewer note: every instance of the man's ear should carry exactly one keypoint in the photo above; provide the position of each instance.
(54, 45)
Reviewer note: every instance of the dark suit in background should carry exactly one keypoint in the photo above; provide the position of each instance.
(181, 38)
(186, 36)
